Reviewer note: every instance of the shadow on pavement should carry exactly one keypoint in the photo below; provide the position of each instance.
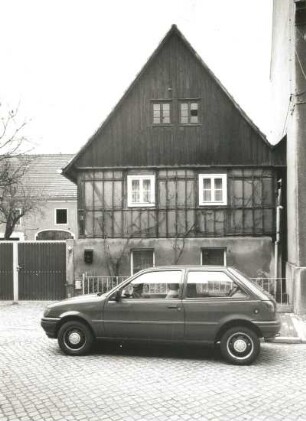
(129, 349)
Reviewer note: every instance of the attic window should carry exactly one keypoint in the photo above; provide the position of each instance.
(161, 112)
(189, 112)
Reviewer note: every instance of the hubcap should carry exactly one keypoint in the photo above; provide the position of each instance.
(74, 338)
(240, 345)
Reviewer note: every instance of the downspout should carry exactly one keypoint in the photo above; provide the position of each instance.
(278, 220)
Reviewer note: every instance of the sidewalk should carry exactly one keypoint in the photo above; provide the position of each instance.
(293, 329)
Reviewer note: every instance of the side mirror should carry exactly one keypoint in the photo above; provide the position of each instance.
(116, 296)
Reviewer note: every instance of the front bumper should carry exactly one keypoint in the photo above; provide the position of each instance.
(49, 324)
(269, 329)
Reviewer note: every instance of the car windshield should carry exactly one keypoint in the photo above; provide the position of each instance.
(249, 284)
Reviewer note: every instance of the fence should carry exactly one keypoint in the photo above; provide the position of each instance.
(276, 287)
(93, 284)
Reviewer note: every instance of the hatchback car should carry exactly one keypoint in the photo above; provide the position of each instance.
(178, 304)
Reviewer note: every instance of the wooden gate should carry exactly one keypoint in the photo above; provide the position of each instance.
(42, 270)
(32, 270)
(6, 271)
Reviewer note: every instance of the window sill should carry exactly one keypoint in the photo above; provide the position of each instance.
(204, 205)
(190, 124)
(141, 205)
(163, 125)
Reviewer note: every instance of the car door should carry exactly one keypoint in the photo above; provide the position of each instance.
(150, 308)
(208, 301)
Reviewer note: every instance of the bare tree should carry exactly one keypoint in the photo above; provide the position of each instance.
(16, 197)
(13, 141)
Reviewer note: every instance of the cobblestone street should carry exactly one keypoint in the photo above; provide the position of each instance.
(38, 382)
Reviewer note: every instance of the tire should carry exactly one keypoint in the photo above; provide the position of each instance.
(240, 345)
(75, 338)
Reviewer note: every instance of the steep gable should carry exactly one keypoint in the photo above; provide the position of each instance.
(225, 136)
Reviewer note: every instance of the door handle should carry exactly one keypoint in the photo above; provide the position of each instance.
(175, 307)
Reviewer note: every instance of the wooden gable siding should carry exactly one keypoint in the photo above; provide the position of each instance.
(224, 137)
(250, 209)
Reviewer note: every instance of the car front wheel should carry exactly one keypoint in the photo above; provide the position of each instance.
(240, 345)
(75, 338)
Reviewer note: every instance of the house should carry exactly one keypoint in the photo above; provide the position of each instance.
(177, 173)
(288, 76)
(56, 217)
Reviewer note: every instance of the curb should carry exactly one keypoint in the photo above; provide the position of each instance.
(287, 340)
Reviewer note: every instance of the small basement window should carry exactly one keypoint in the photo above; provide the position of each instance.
(213, 256)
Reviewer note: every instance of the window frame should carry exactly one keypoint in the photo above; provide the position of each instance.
(161, 102)
(212, 202)
(55, 216)
(224, 249)
(140, 177)
(132, 258)
(189, 101)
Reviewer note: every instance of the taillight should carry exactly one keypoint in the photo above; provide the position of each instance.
(270, 306)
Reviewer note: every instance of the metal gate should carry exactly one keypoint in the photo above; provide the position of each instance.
(33, 270)
(6, 271)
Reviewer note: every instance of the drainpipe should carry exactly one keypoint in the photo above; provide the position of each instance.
(278, 219)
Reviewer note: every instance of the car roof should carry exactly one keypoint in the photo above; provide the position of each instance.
(188, 267)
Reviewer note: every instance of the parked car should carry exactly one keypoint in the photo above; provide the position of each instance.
(179, 304)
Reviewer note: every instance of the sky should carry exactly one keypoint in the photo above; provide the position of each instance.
(66, 63)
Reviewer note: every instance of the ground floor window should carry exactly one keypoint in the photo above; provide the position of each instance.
(213, 256)
(142, 259)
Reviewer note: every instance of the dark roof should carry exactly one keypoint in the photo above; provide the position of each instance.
(69, 170)
(44, 174)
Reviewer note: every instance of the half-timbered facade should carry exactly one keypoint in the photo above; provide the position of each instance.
(176, 174)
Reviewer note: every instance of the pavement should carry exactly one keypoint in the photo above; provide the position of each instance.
(39, 383)
(293, 329)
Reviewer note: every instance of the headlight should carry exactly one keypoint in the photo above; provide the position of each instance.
(47, 312)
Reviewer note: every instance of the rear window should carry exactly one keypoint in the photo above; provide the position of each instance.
(248, 283)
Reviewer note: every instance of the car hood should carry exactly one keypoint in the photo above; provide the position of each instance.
(88, 298)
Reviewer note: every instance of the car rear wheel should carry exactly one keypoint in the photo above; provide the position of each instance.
(240, 345)
(75, 338)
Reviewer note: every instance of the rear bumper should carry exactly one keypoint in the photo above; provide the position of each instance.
(269, 329)
(50, 326)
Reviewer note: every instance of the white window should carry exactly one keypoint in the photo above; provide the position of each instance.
(212, 189)
(141, 190)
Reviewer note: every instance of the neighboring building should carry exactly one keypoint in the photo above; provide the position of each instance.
(176, 174)
(56, 219)
(288, 75)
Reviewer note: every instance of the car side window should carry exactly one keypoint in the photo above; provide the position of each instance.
(157, 284)
(203, 284)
